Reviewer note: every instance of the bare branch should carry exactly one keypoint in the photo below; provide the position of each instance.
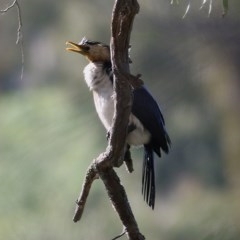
(91, 175)
(9, 7)
(122, 20)
(19, 30)
(20, 36)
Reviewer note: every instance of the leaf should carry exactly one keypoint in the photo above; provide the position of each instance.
(172, 1)
(203, 3)
(187, 10)
(225, 7)
(210, 8)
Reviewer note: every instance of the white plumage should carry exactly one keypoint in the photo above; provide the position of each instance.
(100, 84)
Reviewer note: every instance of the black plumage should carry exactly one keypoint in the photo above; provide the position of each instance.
(146, 109)
(146, 122)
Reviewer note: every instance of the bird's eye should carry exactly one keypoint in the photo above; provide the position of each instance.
(86, 48)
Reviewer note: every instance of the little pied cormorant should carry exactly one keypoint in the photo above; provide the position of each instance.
(146, 120)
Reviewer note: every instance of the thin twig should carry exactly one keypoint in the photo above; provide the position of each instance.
(9, 7)
(19, 30)
(91, 175)
(120, 235)
(20, 36)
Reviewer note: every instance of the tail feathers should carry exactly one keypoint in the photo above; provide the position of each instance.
(148, 177)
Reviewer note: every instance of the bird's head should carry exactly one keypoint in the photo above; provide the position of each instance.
(93, 51)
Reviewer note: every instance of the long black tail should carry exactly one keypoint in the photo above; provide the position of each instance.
(148, 177)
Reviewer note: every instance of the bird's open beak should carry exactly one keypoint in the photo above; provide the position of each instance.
(74, 47)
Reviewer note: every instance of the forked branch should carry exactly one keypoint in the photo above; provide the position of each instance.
(124, 12)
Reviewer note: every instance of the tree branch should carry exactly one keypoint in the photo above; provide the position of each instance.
(9, 7)
(124, 12)
(91, 175)
(19, 30)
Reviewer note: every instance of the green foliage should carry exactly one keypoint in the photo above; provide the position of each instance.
(44, 156)
(225, 7)
(46, 146)
(209, 5)
(204, 2)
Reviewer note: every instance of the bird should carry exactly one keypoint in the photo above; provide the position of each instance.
(146, 122)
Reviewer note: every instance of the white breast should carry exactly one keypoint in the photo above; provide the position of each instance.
(105, 107)
(98, 81)
(140, 135)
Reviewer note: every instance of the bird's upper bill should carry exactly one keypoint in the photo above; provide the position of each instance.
(93, 51)
(79, 48)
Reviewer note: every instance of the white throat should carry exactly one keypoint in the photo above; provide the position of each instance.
(96, 77)
(100, 84)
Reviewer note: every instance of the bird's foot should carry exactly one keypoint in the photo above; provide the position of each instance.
(131, 127)
(108, 135)
(128, 160)
(118, 163)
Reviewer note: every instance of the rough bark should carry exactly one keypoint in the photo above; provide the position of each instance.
(124, 12)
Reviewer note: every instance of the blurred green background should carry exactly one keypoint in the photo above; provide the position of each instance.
(49, 131)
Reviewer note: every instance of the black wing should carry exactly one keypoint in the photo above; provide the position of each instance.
(148, 178)
(147, 111)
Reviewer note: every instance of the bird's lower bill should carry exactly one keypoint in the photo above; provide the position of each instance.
(74, 47)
